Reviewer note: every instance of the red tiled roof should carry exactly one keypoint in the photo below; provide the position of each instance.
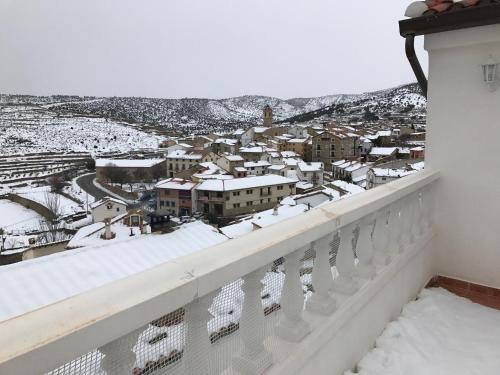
(438, 6)
(433, 16)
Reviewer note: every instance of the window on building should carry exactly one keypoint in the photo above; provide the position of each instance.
(318, 147)
(117, 209)
(249, 191)
(236, 205)
(236, 193)
(172, 203)
(250, 203)
(291, 186)
(280, 187)
(219, 194)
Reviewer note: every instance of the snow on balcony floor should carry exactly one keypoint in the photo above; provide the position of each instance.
(440, 333)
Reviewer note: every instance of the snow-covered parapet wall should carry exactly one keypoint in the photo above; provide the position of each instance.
(234, 307)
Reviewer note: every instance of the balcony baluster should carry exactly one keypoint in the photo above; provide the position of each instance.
(345, 283)
(119, 358)
(364, 249)
(407, 217)
(254, 358)
(196, 351)
(395, 229)
(292, 326)
(381, 239)
(321, 301)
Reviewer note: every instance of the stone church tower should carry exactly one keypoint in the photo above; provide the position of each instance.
(268, 116)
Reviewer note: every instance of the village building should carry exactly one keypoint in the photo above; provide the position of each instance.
(174, 196)
(256, 168)
(328, 147)
(239, 196)
(181, 160)
(384, 173)
(253, 153)
(350, 170)
(310, 172)
(268, 116)
(383, 153)
(297, 145)
(225, 145)
(417, 153)
(107, 208)
(229, 162)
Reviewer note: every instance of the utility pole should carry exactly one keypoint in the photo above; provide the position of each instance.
(3, 238)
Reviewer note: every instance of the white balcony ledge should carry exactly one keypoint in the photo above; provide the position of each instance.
(44, 339)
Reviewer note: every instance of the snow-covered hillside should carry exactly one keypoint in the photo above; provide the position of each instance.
(116, 123)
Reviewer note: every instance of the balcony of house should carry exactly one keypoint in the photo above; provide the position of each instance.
(280, 300)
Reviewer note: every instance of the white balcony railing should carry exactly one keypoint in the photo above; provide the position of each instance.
(269, 301)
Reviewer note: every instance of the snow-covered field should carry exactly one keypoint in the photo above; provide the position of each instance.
(43, 193)
(14, 217)
(31, 129)
(439, 333)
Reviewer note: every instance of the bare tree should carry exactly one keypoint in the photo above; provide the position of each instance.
(53, 203)
(140, 175)
(114, 174)
(108, 171)
(51, 231)
(56, 183)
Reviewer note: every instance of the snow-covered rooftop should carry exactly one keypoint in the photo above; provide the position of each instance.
(105, 200)
(175, 184)
(244, 183)
(183, 154)
(35, 283)
(310, 167)
(234, 157)
(263, 219)
(350, 188)
(383, 151)
(128, 163)
(259, 163)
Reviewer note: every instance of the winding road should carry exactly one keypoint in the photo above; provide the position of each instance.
(86, 184)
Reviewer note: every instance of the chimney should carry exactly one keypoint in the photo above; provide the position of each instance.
(107, 229)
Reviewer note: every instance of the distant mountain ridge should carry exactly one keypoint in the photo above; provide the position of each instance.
(196, 115)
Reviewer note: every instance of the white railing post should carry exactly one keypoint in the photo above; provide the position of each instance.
(428, 207)
(292, 326)
(345, 283)
(407, 217)
(254, 358)
(416, 225)
(381, 238)
(322, 279)
(364, 249)
(395, 228)
(196, 356)
(119, 357)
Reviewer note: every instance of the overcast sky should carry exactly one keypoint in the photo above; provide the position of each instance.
(201, 48)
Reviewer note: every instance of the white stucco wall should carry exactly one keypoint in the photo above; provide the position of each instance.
(462, 142)
(102, 212)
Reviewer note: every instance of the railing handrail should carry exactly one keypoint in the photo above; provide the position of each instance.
(43, 339)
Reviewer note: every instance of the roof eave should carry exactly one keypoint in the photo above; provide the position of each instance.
(479, 15)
